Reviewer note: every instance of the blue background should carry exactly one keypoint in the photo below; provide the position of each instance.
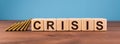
(26, 9)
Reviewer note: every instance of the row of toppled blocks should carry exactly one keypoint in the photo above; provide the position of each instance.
(20, 26)
(61, 24)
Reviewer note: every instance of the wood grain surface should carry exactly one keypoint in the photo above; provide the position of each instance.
(112, 36)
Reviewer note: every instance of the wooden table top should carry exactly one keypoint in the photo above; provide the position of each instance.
(112, 36)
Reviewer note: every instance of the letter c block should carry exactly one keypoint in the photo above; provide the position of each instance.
(37, 24)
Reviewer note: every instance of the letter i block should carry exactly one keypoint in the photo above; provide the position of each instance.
(50, 24)
(100, 24)
(75, 24)
(62, 24)
(37, 24)
(87, 24)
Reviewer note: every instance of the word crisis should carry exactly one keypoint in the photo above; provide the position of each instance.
(68, 24)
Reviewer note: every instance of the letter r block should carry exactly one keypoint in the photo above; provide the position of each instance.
(50, 24)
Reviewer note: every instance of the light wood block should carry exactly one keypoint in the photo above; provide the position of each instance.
(75, 24)
(62, 24)
(19, 26)
(37, 24)
(100, 24)
(50, 24)
(28, 24)
(25, 25)
(87, 24)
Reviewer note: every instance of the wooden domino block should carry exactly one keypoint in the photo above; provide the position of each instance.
(50, 24)
(37, 24)
(62, 24)
(24, 26)
(100, 24)
(87, 24)
(28, 24)
(75, 24)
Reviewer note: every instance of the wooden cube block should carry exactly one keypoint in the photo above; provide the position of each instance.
(62, 24)
(87, 24)
(100, 24)
(50, 24)
(37, 24)
(75, 24)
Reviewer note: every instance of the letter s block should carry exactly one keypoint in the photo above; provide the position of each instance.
(100, 24)
(75, 24)
(37, 24)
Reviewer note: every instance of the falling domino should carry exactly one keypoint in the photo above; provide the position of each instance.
(26, 28)
(24, 25)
